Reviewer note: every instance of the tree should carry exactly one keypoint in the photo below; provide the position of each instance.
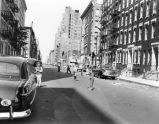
(19, 39)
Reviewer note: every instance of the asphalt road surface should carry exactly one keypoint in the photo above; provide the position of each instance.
(61, 100)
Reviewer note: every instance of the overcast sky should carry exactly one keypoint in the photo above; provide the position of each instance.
(46, 16)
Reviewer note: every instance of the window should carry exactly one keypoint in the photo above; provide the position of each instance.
(126, 58)
(127, 4)
(126, 18)
(147, 8)
(149, 57)
(121, 37)
(117, 39)
(131, 1)
(139, 56)
(123, 62)
(129, 36)
(134, 35)
(118, 23)
(120, 56)
(135, 57)
(8, 70)
(140, 33)
(141, 11)
(130, 19)
(119, 9)
(125, 36)
(153, 29)
(122, 20)
(144, 57)
(146, 31)
(154, 7)
(135, 14)
(123, 3)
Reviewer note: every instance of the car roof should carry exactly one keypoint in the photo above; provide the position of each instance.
(13, 60)
(31, 60)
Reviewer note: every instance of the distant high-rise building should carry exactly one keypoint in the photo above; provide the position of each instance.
(68, 36)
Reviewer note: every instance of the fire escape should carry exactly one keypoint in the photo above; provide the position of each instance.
(111, 25)
(8, 19)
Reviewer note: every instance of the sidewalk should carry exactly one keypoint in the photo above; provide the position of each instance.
(140, 81)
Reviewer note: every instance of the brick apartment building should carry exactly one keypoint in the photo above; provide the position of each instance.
(90, 41)
(12, 15)
(130, 34)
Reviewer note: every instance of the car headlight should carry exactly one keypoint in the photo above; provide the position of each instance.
(6, 102)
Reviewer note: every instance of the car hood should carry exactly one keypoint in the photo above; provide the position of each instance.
(8, 89)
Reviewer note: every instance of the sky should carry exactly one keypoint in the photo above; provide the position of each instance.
(46, 16)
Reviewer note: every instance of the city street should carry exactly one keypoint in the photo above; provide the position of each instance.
(61, 100)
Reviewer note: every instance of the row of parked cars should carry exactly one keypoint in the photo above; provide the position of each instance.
(18, 86)
(103, 72)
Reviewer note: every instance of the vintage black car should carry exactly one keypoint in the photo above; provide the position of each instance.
(17, 88)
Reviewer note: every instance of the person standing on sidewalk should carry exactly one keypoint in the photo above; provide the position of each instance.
(38, 70)
(91, 78)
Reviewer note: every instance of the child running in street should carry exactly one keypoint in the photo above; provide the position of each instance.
(91, 77)
(75, 73)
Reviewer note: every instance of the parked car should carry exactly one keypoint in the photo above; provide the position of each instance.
(98, 73)
(105, 72)
(80, 67)
(17, 88)
(109, 73)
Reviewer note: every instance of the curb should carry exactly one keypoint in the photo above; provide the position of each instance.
(126, 80)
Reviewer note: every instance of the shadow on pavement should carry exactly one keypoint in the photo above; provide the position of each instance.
(52, 74)
(63, 106)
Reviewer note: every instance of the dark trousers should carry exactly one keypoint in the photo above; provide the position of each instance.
(68, 70)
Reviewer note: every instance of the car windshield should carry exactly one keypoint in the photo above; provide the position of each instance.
(8, 70)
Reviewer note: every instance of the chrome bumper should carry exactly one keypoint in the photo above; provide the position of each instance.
(14, 115)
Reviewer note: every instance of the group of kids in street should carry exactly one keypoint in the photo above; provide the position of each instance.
(39, 69)
(91, 75)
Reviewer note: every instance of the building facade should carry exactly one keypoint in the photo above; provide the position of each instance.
(31, 49)
(90, 41)
(51, 58)
(12, 16)
(130, 34)
(68, 36)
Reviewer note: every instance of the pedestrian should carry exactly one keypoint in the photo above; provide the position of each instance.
(68, 69)
(75, 75)
(91, 78)
(82, 72)
(58, 68)
(38, 70)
